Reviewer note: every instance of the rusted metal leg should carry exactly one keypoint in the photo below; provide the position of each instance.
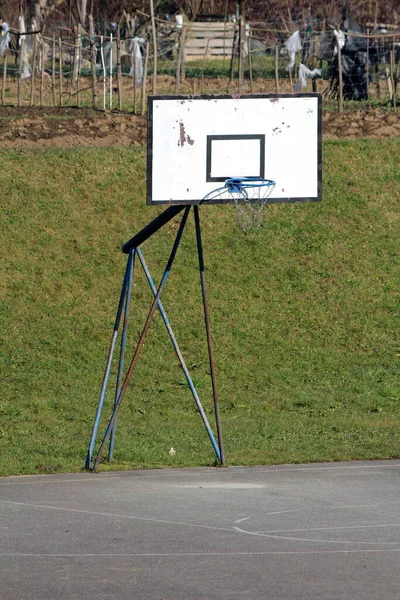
(208, 331)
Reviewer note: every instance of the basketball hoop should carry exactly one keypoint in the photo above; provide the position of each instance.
(250, 195)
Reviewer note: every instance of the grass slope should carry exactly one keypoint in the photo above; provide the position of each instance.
(305, 316)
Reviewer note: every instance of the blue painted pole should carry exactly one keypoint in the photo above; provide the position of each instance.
(108, 366)
(142, 338)
(180, 356)
(123, 348)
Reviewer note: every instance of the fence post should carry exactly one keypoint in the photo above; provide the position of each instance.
(53, 70)
(3, 89)
(277, 68)
(393, 77)
(314, 62)
(179, 62)
(93, 61)
(202, 67)
(41, 55)
(241, 52)
(397, 75)
(144, 82)
(33, 74)
(250, 62)
(119, 70)
(339, 54)
(154, 35)
(60, 65)
(133, 57)
(367, 68)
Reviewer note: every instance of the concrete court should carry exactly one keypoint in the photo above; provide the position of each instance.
(301, 532)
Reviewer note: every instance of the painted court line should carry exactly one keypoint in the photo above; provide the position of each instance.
(196, 554)
(332, 528)
(313, 541)
(271, 469)
(52, 482)
(114, 515)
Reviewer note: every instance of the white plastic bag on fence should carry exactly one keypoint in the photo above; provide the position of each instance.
(304, 74)
(340, 40)
(4, 39)
(137, 60)
(293, 45)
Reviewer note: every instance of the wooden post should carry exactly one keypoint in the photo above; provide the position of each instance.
(33, 74)
(41, 55)
(3, 89)
(277, 69)
(93, 61)
(179, 62)
(367, 68)
(202, 66)
(250, 64)
(22, 56)
(134, 78)
(53, 70)
(185, 31)
(154, 35)
(78, 65)
(314, 63)
(388, 70)
(235, 42)
(339, 55)
(396, 78)
(60, 65)
(241, 51)
(119, 70)
(392, 77)
(377, 82)
(144, 82)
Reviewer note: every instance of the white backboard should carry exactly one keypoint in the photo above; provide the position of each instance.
(196, 143)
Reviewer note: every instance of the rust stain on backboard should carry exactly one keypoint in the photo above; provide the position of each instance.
(184, 138)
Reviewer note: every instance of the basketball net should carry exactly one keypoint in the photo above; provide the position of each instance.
(250, 195)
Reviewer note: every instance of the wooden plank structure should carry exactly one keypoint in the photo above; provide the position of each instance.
(209, 40)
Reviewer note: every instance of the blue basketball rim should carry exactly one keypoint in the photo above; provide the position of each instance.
(237, 184)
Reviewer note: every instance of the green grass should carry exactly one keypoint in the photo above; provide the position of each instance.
(305, 316)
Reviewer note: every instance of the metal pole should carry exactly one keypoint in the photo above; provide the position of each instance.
(142, 338)
(108, 365)
(180, 357)
(208, 331)
(123, 348)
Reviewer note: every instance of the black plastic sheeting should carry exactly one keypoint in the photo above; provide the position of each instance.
(354, 60)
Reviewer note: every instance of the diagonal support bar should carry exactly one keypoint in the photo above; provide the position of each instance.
(180, 357)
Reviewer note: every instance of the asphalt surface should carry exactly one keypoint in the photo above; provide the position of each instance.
(303, 532)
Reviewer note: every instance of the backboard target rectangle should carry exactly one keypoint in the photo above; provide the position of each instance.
(235, 156)
(196, 143)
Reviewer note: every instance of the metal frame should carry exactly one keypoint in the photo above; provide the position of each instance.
(132, 249)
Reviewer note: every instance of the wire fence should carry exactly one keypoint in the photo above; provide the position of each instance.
(118, 71)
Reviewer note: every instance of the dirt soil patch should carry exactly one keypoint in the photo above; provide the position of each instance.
(31, 127)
